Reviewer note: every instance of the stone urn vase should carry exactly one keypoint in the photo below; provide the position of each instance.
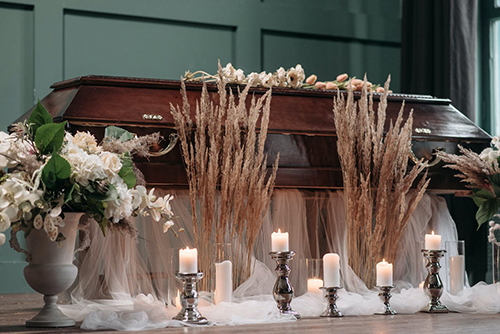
(51, 271)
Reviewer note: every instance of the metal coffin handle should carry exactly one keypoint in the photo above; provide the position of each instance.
(430, 163)
(173, 139)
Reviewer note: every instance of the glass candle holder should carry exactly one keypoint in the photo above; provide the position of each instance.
(314, 268)
(455, 262)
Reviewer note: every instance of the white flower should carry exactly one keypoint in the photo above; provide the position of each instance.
(295, 76)
(141, 199)
(161, 207)
(7, 156)
(4, 221)
(495, 141)
(86, 141)
(281, 77)
(268, 80)
(166, 225)
(85, 167)
(239, 76)
(122, 207)
(12, 192)
(489, 155)
(111, 163)
(2, 239)
(254, 79)
(228, 72)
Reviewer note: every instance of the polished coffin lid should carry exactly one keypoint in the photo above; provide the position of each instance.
(301, 126)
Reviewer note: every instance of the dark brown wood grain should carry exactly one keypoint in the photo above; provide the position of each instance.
(301, 127)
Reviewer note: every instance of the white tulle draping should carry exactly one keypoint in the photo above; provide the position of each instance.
(124, 282)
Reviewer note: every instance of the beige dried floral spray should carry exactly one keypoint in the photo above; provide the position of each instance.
(229, 186)
(376, 179)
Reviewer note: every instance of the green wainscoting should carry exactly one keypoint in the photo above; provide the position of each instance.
(42, 42)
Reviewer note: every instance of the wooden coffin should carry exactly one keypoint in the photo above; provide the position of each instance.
(301, 127)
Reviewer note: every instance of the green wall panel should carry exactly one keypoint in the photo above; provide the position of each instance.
(328, 57)
(130, 46)
(16, 57)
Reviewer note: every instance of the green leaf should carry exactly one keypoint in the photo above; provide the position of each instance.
(68, 193)
(118, 133)
(495, 182)
(103, 224)
(486, 210)
(49, 137)
(39, 116)
(56, 172)
(127, 172)
(111, 195)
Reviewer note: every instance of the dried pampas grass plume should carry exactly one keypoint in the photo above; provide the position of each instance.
(376, 181)
(229, 186)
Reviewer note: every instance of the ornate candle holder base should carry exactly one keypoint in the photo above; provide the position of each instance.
(189, 299)
(283, 290)
(385, 294)
(331, 309)
(433, 286)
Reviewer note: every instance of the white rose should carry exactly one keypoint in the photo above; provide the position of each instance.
(111, 163)
(86, 141)
(2, 239)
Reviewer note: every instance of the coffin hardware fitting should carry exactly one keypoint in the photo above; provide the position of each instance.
(173, 138)
(152, 117)
(430, 163)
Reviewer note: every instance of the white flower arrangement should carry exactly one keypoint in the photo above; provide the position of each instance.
(52, 171)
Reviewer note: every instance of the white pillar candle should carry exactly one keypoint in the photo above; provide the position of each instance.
(223, 282)
(331, 270)
(279, 241)
(432, 241)
(457, 274)
(188, 260)
(384, 273)
(314, 285)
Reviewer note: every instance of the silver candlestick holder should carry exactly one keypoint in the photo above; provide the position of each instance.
(189, 299)
(433, 286)
(331, 308)
(385, 294)
(283, 290)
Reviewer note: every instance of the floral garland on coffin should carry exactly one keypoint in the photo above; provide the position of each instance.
(52, 171)
(294, 77)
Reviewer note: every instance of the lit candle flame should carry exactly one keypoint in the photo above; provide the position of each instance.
(432, 232)
(279, 230)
